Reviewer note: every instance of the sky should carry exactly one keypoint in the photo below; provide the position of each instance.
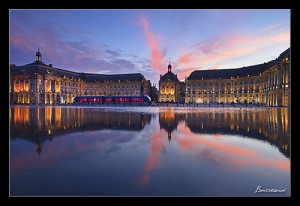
(145, 41)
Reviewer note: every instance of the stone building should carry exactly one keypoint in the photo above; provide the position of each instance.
(39, 83)
(266, 84)
(154, 93)
(170, 88)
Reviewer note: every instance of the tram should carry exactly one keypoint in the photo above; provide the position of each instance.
(112, 99)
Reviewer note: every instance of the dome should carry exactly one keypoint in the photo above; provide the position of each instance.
(169, 77)
(38, 53)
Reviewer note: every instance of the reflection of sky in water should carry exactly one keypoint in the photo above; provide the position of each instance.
(141, 160)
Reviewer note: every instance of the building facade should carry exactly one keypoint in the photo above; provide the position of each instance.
(170, 88)
(39, 83)
(266, 84)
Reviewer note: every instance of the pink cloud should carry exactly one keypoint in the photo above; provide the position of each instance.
(157, 55)
(185, 72)
(225, 47)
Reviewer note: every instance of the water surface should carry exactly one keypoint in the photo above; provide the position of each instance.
(148, 151)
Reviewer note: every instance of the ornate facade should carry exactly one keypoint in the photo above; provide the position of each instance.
(267, 84)
(39, 83)
(170, 88)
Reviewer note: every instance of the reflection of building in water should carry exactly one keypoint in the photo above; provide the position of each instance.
(41, 124)
(271, 125)
(169, 121)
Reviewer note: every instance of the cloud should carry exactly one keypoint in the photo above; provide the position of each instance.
(211, 53)
(156, 54)
(60, 46)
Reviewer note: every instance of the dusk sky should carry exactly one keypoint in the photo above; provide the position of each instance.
(133, 41)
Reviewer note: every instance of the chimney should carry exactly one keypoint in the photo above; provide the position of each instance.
(50, 65)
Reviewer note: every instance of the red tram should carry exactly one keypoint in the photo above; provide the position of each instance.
(109, 99)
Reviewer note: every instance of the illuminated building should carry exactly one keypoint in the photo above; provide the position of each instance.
(39, 83)
(265, 84)
(170, 88)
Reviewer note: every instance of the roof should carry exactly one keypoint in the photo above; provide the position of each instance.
(228, 73)
(41, 68)
(169, 76)
(284, 54)
(241, 72)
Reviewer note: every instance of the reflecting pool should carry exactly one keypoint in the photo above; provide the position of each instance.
(149, 151)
